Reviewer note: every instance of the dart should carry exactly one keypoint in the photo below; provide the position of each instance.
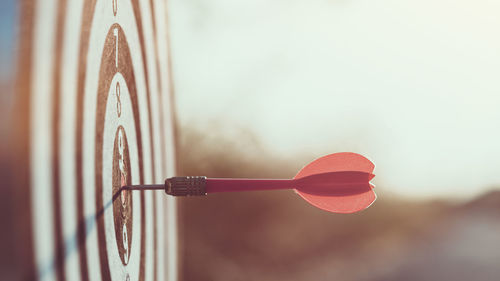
(338, 183)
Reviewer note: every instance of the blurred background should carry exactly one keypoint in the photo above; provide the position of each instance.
(264, 87)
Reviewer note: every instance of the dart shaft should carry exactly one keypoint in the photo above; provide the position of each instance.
(195, 186)
(146, 187)
(198, 186)
(229, 185)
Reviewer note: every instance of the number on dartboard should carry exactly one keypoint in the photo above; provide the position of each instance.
(115, 7)
(115, 32)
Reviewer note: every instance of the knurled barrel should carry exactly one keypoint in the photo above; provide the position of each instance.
(186, 186)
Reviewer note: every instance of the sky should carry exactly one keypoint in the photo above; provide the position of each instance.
(413, 85)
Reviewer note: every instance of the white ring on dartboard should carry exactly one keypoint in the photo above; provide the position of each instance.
(68, 82)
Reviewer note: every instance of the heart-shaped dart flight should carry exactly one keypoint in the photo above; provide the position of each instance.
(338, 183)
(356, 171)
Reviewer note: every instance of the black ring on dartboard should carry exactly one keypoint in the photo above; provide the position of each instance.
(88, 12)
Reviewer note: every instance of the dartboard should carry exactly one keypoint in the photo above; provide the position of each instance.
(94, 113)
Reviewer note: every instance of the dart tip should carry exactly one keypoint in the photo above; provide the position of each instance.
(144, 187)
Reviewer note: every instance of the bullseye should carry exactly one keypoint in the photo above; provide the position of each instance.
(122, 208)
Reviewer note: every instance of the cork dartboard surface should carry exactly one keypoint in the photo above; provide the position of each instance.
(93, 113)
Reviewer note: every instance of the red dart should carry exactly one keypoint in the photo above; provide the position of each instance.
(338, 183)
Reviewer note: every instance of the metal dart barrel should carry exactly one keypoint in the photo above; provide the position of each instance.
(186, 186)
(177, 186)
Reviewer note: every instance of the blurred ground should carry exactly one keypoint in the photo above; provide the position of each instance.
(277, 236)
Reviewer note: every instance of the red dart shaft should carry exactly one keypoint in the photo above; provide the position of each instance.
(196, 186)
(229, 185)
